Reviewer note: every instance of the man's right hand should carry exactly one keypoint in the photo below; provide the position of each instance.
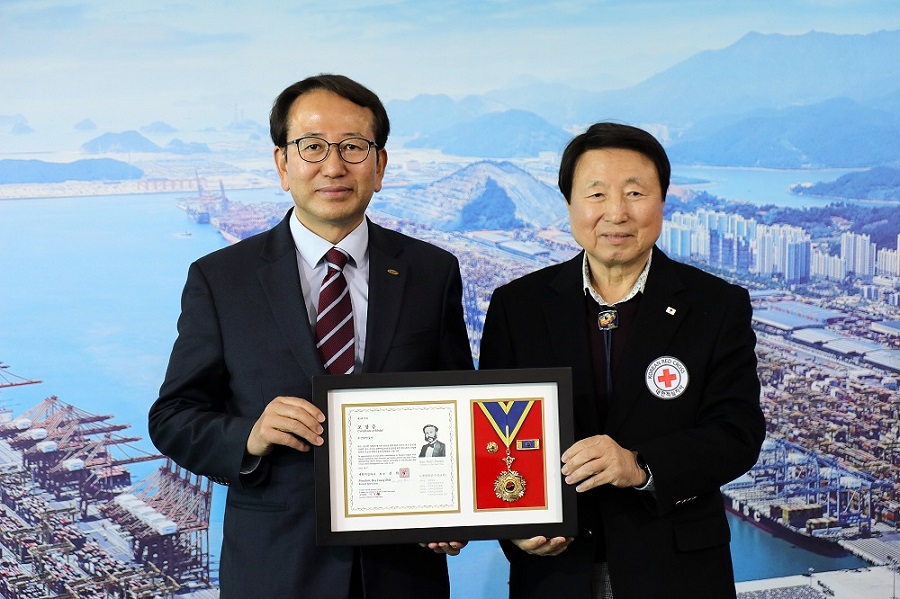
(543, 545)
(289, 421)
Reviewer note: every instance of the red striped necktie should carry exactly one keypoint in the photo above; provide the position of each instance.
(334, 322)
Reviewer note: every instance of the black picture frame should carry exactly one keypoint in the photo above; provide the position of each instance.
(347, 401)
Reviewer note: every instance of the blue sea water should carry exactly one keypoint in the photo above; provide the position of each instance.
(758, 186)
(88, 302)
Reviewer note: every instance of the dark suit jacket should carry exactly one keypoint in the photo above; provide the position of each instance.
(439, 450)
(243, 339)
(676, 544)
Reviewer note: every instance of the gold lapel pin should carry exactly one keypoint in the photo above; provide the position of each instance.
(670, 311)
(391, 271)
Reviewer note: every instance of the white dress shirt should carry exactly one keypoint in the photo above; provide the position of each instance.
(311, 251)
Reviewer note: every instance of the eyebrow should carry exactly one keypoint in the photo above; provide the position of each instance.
(598, 182)
(345, 134)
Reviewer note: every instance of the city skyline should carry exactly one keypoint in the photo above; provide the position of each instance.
(742, 244)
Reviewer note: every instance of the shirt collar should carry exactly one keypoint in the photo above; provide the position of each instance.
(312, 247)
(637, 288)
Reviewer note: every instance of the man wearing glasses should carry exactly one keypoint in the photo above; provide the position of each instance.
(325, 291)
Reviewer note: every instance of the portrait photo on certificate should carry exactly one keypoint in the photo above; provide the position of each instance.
(465, 455)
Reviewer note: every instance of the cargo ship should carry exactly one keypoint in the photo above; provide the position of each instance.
(233, 220)
(806, 499)
(777, 521)
(203, 206)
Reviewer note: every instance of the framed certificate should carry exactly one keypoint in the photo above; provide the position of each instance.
(443, 456)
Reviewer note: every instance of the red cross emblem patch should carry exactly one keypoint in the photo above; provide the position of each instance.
(666, 377)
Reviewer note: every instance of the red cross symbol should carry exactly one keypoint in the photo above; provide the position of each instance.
(667, 378)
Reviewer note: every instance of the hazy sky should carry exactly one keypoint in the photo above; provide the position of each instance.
(124, 63)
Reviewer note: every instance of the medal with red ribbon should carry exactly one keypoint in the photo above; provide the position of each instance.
(507, 421)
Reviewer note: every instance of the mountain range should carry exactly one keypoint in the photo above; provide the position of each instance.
(838, 132)
(482, 195)
(507, 134)
(879, 183)
(773, 100)
(132, 141)
(814, 100)
(94, 169)
(764, 71)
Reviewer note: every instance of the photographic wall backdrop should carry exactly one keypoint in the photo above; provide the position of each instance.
(134, 139)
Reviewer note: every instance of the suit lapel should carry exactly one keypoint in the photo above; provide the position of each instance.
(658, 319)
(280, 280)
(564, 312)
(387, 281)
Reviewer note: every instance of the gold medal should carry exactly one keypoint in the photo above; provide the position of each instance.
(509, 486)
(492, 447)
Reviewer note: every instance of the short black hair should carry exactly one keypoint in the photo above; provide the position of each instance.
(613, 135)
(339, 84)
(436, 429)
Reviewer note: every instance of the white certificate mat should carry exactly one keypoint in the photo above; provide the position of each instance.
(408, 457)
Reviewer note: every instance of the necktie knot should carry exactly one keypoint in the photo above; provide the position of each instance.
(336, 258)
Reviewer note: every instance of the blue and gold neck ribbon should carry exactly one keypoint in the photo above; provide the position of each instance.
(506, 417)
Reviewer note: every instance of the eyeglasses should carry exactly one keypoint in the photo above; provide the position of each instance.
(315, 149)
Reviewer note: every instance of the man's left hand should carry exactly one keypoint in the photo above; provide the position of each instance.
(599, 460)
